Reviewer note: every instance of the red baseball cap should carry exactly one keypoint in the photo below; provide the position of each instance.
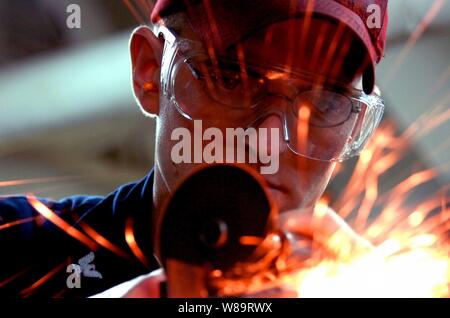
(222, 22)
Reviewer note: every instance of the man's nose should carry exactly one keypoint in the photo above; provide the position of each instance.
(272, 122)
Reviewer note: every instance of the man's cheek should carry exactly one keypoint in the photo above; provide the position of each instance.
(311, 176)
(327, 144)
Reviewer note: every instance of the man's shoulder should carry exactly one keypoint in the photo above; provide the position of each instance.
(22, 204)
(125, 196)
(47, 232)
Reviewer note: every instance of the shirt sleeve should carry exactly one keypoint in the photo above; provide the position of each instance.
(75, 247)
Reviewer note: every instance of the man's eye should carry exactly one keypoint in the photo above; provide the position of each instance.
(226, 80)
(233, 91)
(324, 107)
(234, 83)
(327, 108)
(231, 83)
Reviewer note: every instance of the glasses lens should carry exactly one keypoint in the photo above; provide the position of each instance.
(320, 124)
(221, 85)
(187, 91)
(325, 108)
(372, 110)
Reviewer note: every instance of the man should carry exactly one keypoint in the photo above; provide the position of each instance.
(293, 67)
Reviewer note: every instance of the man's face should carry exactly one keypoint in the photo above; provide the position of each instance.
(299, 182)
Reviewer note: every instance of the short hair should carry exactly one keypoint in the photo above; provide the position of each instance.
(178, 23)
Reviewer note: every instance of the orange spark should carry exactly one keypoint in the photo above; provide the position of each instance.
(305, 28)
(13, 277)
(59, 222)
(29, 290)
(131, 241)
(414, 37)
(304, 114)
(19, 182)
(18, 222)
(441, 81)
(134, 12)
(101, 240)
(335, 43)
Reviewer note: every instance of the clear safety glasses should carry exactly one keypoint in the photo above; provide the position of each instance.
(321, 120)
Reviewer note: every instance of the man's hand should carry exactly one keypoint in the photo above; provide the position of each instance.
(326, 228)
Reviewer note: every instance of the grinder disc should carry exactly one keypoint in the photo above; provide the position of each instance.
(210, 212)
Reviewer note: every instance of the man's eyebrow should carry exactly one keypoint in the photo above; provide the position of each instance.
(223, 63)
(275, 73)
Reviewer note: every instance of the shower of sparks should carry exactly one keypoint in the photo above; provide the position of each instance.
(401, 249)
(411, 253)
(421, 271)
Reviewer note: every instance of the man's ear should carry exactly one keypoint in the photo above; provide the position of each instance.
(146, 55)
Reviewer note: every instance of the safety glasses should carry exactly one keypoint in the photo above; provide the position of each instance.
(321, 120)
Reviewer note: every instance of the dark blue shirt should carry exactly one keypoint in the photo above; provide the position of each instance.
(35, 252)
